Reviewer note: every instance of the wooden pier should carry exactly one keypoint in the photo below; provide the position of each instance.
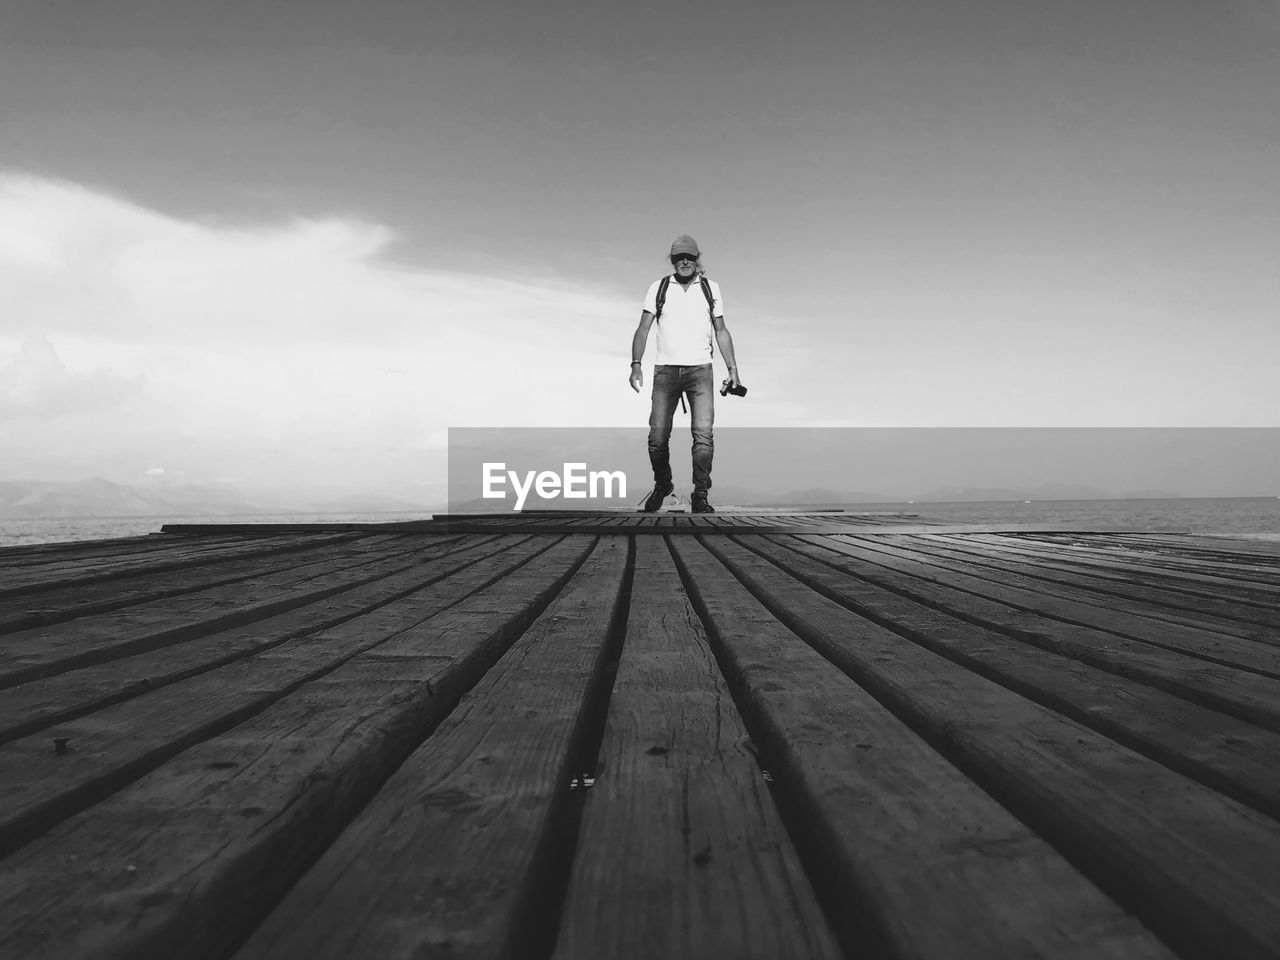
(627, 736)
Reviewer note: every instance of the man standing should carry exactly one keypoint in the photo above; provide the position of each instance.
(688, 308)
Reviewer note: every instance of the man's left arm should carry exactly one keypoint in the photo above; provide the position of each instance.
(724, 340)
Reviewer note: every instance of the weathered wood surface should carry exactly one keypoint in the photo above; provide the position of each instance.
(1211, 867)
(1188, 594)
(249, 807)
(1223, 671)
(743, 736)
(57, 597)
(75, 573)
(680, 819)
(917, 860)
(41, 651)
(63, 696)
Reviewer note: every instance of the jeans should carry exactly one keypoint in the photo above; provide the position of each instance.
(669, 382)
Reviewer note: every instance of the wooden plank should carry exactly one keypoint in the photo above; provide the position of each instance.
(1241, 572)
(43, 651)
(87, 597)
(23, 553)
(36, 574)
(1027, 593)
(1196, 867)
(32, 706)
(245, 529)
(1231, 756)
(32, 559)
(1222, 615)
(76, 571)
(1243, 554)
(444, 860)
(1249, 579)
(1227, 606)
(1216, 547)
(184, 862)
(813, 521)
(914, 858)
(30, 555)
(681, 852)
(120, 743)
(1239, 693)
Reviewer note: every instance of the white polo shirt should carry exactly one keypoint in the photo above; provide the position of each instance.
(684, 329)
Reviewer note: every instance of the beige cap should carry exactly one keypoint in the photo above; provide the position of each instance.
(685, 244)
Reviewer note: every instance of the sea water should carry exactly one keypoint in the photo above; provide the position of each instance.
(1251, 517)
(62, 529)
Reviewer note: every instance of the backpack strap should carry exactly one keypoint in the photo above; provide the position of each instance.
(661, 299)
(711, 300)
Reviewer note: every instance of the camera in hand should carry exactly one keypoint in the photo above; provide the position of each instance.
(738, 390)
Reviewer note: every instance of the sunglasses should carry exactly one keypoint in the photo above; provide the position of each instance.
(680, 258)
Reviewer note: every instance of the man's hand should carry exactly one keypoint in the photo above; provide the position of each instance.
(637, 377)
(733, 377)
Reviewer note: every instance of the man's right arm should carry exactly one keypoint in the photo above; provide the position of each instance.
(638, 343)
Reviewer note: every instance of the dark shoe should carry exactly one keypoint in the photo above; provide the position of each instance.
(654, 501)
(699, 502)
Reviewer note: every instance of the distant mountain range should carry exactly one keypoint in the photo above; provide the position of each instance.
(96, 497)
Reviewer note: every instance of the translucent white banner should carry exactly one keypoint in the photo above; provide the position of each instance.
(507, 469)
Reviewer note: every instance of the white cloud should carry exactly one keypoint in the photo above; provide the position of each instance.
(91, 264)
(278, 353)
(35, 384)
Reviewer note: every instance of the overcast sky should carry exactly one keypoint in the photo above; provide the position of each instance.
(290, 243)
